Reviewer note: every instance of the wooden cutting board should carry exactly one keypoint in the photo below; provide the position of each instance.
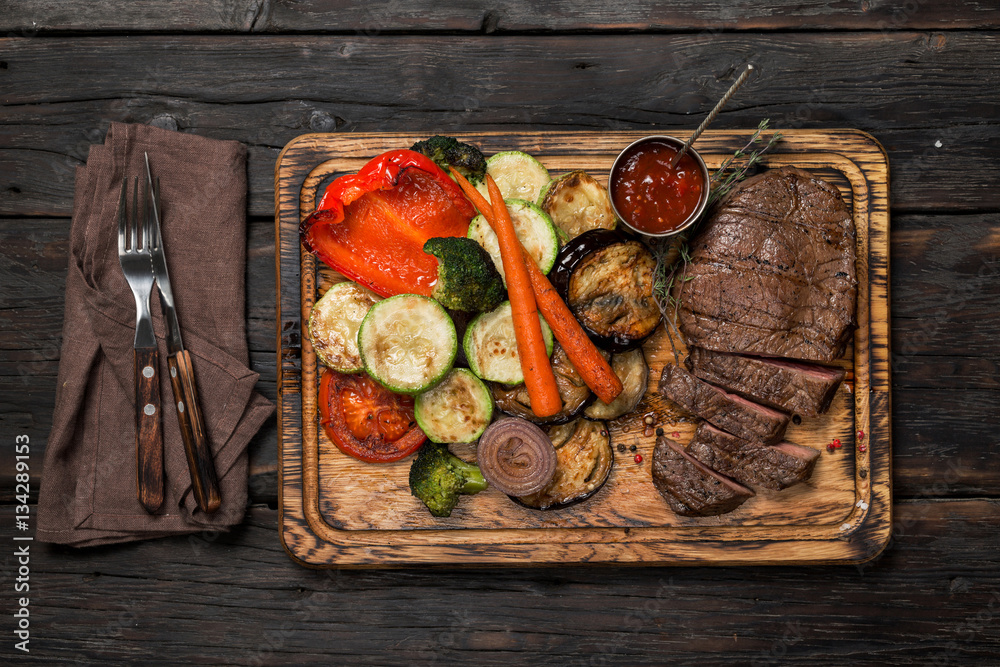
(337, 511)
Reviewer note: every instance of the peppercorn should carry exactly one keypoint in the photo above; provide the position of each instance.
(633, 448)
(621, 448)
(638, 458)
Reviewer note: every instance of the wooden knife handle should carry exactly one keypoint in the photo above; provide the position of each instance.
(199, 454)
(148, 436)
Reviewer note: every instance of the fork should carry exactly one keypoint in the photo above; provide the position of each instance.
(134, 242)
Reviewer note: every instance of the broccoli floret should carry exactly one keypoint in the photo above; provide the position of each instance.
(468, 279)
(438, 478)
(448, 152)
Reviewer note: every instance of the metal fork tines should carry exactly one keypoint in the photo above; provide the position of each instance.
(134, 243)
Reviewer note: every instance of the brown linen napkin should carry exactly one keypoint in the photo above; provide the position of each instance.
(88, 493)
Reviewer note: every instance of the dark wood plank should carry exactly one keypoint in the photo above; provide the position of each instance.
(33, 17)
(265, 91)
(932, 597)
(945, 287)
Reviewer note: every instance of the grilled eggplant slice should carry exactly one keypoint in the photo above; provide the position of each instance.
(632, 370)
(583, 464)
(572, 389)
(577, 203)
(606, 279)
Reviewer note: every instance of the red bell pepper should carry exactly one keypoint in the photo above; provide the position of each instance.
(371, 226)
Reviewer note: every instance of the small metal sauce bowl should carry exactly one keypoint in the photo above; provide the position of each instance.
(702, 167)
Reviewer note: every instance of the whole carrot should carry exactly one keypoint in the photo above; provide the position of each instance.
(538, 377)
(583, 354)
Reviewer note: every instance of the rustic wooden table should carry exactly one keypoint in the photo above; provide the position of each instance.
(923, 77)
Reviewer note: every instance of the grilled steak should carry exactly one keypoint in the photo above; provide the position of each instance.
(772, 271)
(690, 487)
(751, 463)
(729, 412)
(806, 389)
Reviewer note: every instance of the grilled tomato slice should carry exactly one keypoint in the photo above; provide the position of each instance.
(367, 421)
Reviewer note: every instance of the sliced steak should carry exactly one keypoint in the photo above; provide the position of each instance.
(729, 412)
(690, 487)
(806, 389)
(751, 463)
(772, 271)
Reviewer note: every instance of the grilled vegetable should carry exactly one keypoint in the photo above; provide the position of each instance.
(407, 343)
(366, 420)
(577, 203)
(516, 456)
(450, 152)
(334, 322)
(371, 226)
(583, 464)
(588, 360)
(467, 278)
(572, 389)
(518, 175)
(533, 228)
(532, 349)
(632, 370)
(491, 349)
(606, 279)
(457, 409)
(439, 479)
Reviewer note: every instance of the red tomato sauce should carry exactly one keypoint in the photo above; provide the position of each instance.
(650, 195)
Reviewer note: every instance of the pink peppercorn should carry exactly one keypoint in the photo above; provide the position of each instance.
(638, 458)
(861, 435)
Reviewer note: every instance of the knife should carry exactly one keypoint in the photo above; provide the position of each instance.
(199, 454)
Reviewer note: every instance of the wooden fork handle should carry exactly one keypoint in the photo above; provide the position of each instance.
(199, 454)
(148, 436)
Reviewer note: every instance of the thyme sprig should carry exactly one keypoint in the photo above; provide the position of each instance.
(727, 176)
(673, 255)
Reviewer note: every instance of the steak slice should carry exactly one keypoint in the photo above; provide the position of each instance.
(806, 389)
(753, 464)
(772, 271)
(729, 412)
(690, 487)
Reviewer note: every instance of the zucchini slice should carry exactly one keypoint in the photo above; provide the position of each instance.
(407, 343)
(518, 175)
(577, 203)
(632, 370)
(334, 322)
(457, 409)
(491, 349)
(583, 464)
(533, 228)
